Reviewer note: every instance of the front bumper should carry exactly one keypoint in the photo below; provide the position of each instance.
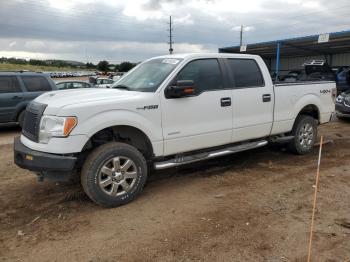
(37, 161)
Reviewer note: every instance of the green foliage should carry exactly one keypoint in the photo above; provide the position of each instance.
(35, 68)
(13, 60)
(90, 66)
(103, 66)
(125, 66)
(60, 64)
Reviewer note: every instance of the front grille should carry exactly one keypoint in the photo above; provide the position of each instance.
(31, 123)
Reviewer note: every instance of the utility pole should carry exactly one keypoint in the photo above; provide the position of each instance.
(170, 36)
(241, 36)
(86, 57)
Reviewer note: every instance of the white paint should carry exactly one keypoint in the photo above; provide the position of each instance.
(189, 123)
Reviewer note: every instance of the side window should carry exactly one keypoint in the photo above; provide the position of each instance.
(61, 86)
(36, 83)
(9, 84)
(205, 73)
(77, 85)
(246, 73)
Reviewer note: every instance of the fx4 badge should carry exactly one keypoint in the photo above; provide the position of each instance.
(325, 91)
(148, 107)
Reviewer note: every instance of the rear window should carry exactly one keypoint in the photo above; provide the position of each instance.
(9, 84)
(36, 83)
(246, 73)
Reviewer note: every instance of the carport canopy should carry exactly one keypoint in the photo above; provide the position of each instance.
(339, 42)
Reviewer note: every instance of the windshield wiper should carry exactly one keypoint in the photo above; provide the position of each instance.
(121, 86)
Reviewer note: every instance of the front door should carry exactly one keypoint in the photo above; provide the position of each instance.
(200, 121)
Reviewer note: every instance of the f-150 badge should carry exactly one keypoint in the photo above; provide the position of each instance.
(148, 107)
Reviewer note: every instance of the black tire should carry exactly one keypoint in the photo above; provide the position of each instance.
(20, 118)
(305, 135)
(92, 176)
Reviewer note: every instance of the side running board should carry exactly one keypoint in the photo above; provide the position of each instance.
(182, 160)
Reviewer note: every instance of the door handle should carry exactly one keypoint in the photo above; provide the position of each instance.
(225, 101)
(16, 97)
(266, 98)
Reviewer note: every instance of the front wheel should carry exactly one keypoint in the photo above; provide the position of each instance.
(305, 135)
(114, 174)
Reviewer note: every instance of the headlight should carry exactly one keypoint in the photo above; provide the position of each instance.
(340, 99)
(55, 126)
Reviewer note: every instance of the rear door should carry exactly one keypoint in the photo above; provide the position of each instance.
(11, 95)
(35, 86)
(200, 121)
(252, 100)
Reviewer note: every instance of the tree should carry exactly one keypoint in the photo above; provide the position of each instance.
(90, 66)
(125, 66)
(103, 66)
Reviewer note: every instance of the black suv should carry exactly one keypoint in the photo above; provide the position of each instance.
(17, 89)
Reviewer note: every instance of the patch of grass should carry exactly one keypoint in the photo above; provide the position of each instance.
(16, 67)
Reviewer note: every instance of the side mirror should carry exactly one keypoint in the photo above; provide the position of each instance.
(183, 88)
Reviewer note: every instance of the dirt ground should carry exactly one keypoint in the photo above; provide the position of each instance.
(252, 206)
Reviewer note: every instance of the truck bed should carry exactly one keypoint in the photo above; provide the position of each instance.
(290, 98)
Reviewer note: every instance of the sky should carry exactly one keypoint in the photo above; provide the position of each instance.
(134, 30)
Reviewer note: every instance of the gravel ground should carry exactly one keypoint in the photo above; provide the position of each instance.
(252, 206)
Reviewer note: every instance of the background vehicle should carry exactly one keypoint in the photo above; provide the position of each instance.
(292, 76)
(343, 80)
(117, 76)
(72, 84)
(342, 105)
(17, 89)
(168, 111)
(313, 70)
(103, 82)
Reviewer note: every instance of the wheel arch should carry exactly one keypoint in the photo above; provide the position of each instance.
(311, 110)
(122, 133)
(20, 108)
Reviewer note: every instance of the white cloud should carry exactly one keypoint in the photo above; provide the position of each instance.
(136, 29)
(12, 44)
(35, 45)
(245, 28)
(111, 51)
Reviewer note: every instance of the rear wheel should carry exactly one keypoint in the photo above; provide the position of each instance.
(114, 174)
(305, 135)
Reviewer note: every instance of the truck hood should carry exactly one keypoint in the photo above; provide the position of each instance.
(58, 99)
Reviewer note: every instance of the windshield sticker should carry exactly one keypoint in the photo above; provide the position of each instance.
(170, 61)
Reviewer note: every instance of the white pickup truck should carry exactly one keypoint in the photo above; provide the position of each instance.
(166, 112)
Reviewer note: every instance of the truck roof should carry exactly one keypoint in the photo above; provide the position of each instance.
(207, 55)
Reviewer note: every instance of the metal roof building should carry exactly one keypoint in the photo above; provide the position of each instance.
(288, 54)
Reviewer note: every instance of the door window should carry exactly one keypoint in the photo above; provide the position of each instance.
(246, 73)
(61, 86)
(36, 83)
(9, 84)
(77, 85)
(205, 73)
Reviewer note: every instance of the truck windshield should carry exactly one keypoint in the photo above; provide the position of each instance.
(148, 76)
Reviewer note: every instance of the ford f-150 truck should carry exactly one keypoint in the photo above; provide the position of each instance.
(166, 112)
